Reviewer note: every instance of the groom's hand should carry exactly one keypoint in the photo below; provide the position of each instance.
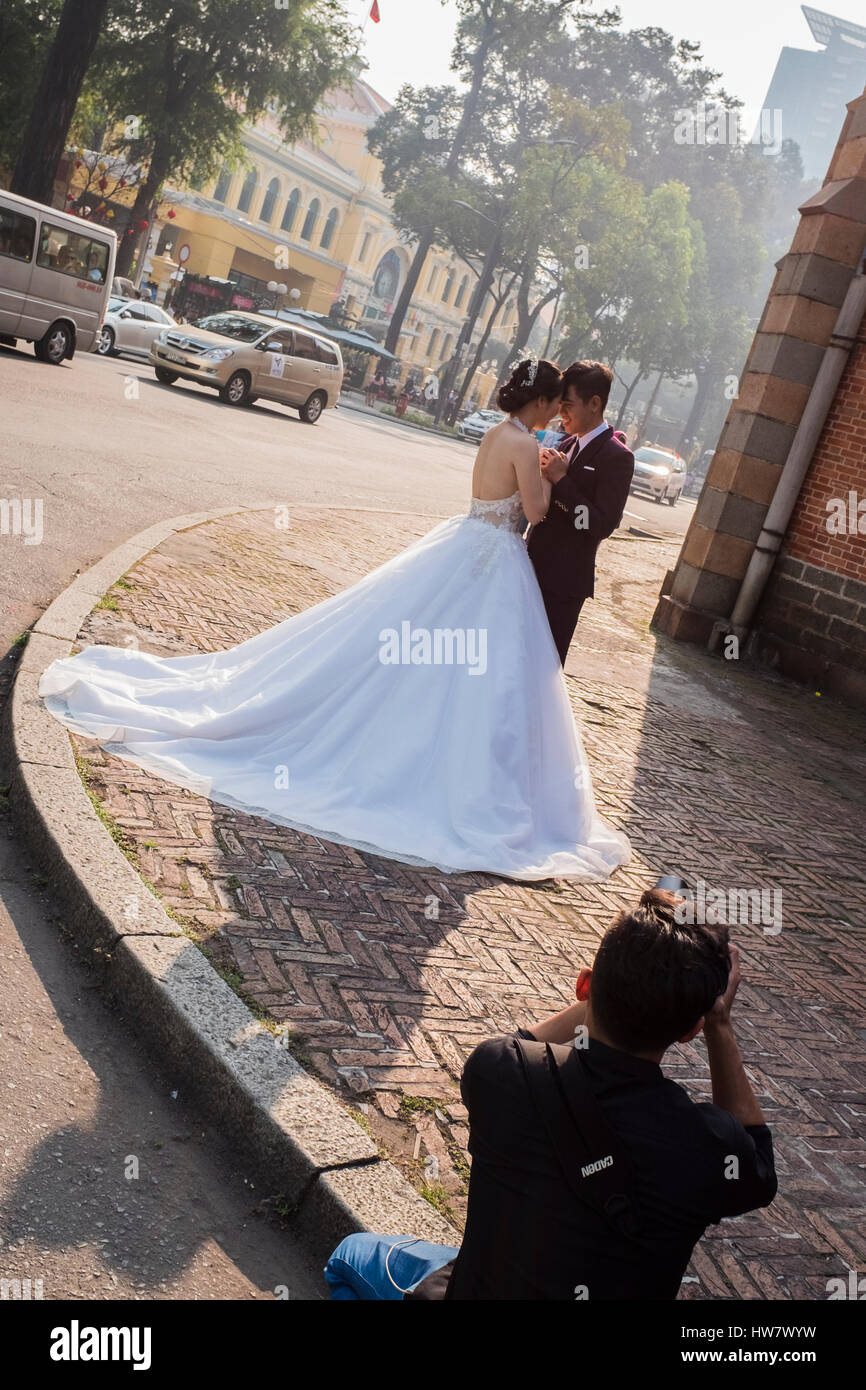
(554, 465)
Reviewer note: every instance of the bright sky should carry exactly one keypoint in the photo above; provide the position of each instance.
(739, 38)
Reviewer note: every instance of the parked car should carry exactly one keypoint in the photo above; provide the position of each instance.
(55, 276)
(659, 473)
(245, 356)
(130, 326)
(476, 425)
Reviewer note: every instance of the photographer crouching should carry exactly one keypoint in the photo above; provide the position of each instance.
(593, 1176)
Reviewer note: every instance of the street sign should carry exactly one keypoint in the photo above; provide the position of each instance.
(183, 253)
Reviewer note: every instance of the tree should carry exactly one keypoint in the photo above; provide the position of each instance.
(433, 149)
(27, 29)
(431, 145)
(653, 78)
(202, 70)
(53, 106)
(552, 194)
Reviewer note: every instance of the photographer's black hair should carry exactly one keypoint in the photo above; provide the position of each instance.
(654, 977)
(519, 390)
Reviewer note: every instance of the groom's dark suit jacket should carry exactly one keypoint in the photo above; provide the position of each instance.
(598, 478)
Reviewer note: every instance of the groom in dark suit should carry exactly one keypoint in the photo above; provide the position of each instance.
(591, 473)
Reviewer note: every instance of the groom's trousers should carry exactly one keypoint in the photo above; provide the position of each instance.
(562, 614)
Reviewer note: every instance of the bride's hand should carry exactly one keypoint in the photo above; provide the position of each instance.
(555, 466)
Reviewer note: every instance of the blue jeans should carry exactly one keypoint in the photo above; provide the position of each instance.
(361, 1265)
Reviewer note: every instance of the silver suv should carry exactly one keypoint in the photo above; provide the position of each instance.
(245, 356)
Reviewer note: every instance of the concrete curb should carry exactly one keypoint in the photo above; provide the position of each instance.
(303, 1142)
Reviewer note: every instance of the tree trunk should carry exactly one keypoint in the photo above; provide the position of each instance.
(467, 115)
(627, 397)
(698, 410)
(143, 209)
(642, 427)
(479, 353)
(395, 327)
(476, 304)
(550, 330)
(526, 321)
(53, 108)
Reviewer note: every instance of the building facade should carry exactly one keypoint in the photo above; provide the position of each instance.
(810, 88)
(798, 429)
(315, 219)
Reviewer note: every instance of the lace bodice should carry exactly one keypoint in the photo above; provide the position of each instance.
(504, 512)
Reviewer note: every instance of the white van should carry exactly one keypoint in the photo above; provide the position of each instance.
(55, 277)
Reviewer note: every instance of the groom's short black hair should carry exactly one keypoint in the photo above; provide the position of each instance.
(589, 379)
(654, 976)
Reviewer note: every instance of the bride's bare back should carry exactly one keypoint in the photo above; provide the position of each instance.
(507, 462)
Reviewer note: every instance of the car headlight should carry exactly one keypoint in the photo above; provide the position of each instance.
(217, 354)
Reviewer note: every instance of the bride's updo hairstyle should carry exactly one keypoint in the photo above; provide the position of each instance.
(529, 380)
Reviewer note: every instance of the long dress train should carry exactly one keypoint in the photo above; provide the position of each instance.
(420, 714)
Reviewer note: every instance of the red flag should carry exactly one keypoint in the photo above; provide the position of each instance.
(374, 12)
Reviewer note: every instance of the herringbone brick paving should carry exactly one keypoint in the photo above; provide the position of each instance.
(388, 975)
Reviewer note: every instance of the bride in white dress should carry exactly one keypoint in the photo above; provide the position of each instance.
(421, 714)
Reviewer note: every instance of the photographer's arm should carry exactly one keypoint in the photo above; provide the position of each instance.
(732, 1089)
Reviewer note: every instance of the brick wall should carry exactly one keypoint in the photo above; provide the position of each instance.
(810, 623)
(812, 620)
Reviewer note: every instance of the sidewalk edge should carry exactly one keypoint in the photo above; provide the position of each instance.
(292, 1126)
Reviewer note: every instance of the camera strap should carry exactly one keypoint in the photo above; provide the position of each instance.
(590, 1153)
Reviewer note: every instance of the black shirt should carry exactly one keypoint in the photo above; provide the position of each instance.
(528, 1237)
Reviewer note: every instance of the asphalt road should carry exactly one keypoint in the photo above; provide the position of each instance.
(107, 451)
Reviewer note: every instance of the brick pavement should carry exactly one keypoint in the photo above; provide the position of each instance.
(388, 975)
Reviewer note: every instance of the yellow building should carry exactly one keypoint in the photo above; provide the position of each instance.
(315, 219)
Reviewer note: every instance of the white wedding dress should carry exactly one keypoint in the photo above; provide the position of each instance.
(421, 715)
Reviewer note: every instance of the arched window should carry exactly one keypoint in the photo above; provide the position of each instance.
(269, 201)
(464, 283)
(329, 228)
(431, 346)
(247, 191)
(386, 280)
(446, 347)
(432, 277)
(291, 211)
(223, 182)
(310, 221)
(449, 285)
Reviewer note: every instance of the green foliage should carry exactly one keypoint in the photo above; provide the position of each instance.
(26, 31)
(202, 68)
